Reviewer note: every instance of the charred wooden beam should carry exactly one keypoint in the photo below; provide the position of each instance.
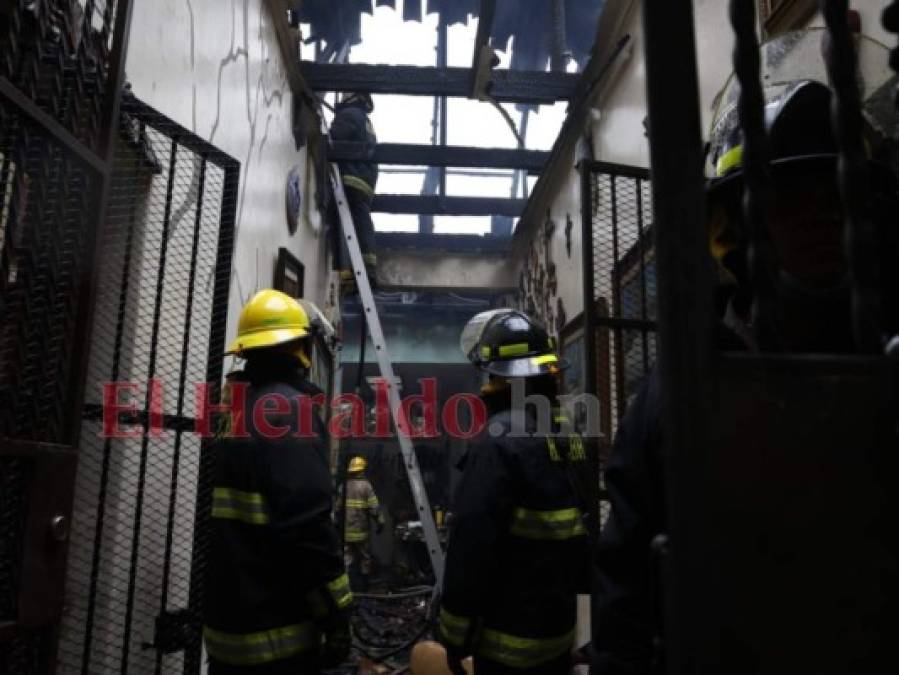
(448, 206)
(508, 85)
(437, 155)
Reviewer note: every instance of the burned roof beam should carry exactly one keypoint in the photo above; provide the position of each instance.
(437, 155)
(513, 86)
(448, 206)
(485, 29)
(482, 61)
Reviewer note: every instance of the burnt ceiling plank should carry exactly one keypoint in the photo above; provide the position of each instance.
(485, 29)
(508, 85)
(482, 40)
(412, 242)
(439, 155)
(448, 206)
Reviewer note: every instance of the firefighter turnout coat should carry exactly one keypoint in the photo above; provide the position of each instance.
(518, 551)
(352, 123)
(275, 574)
(362, 510)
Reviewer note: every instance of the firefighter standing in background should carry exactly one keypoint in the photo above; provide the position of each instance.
(518, 552)
(277, 598)
(351, 123)
(362, 513)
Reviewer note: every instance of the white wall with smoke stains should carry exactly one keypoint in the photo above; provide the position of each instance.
(215, 67)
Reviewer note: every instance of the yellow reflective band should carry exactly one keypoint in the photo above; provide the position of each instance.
(247, 507)
(576, 450)
(553, 451)
(358, 184)
(340, 591)
(485, 352)
(372, 502)
(732, 159)
(556, 525)
(370, 258)
(521, 652)
(514, 350)
(355, 503)
(545, 358)
(355, 536)
(453, 629)
(250, 649)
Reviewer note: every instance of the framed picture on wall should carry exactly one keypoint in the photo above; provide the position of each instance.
(290, 274)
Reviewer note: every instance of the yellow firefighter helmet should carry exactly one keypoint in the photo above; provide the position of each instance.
(357, 465)
(270, 318)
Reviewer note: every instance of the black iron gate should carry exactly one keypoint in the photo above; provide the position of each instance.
(136, 548)
(619, 286)
(116, 234)
(61, 66)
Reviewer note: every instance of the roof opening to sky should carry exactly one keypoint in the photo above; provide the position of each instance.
(407, 32)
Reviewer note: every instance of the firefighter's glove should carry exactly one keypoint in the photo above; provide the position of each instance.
(454, 658)
(336, 641)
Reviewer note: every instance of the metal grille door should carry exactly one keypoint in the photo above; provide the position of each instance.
(620, 282)
(160, 317)
(60, 77)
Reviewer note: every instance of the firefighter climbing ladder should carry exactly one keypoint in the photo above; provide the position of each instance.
(373, 321)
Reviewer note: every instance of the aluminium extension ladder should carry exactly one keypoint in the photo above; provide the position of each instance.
(373, 321)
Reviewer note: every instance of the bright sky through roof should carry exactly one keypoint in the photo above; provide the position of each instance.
(387, 39)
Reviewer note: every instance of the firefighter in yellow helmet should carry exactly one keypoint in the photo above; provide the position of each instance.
(362, 513)
(277, 597)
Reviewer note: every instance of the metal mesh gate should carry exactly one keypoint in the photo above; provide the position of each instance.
(620, 283)
(160, 316)
(60, 68)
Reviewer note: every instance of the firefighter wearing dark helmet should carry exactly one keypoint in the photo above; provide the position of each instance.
(805, 224)
(360, 178)
(518, 550)
(276, 596)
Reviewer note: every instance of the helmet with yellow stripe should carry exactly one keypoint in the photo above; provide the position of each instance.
(802, 150)
(508, 343)
(797, 105)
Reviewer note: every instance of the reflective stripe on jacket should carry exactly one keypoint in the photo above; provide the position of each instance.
(251, 649)
(362, 510)
(276, 569)
(518, 550)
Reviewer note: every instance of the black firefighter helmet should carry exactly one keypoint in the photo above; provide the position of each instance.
(361, 99)
(798, 122)
(798, 113)
(509, 343)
